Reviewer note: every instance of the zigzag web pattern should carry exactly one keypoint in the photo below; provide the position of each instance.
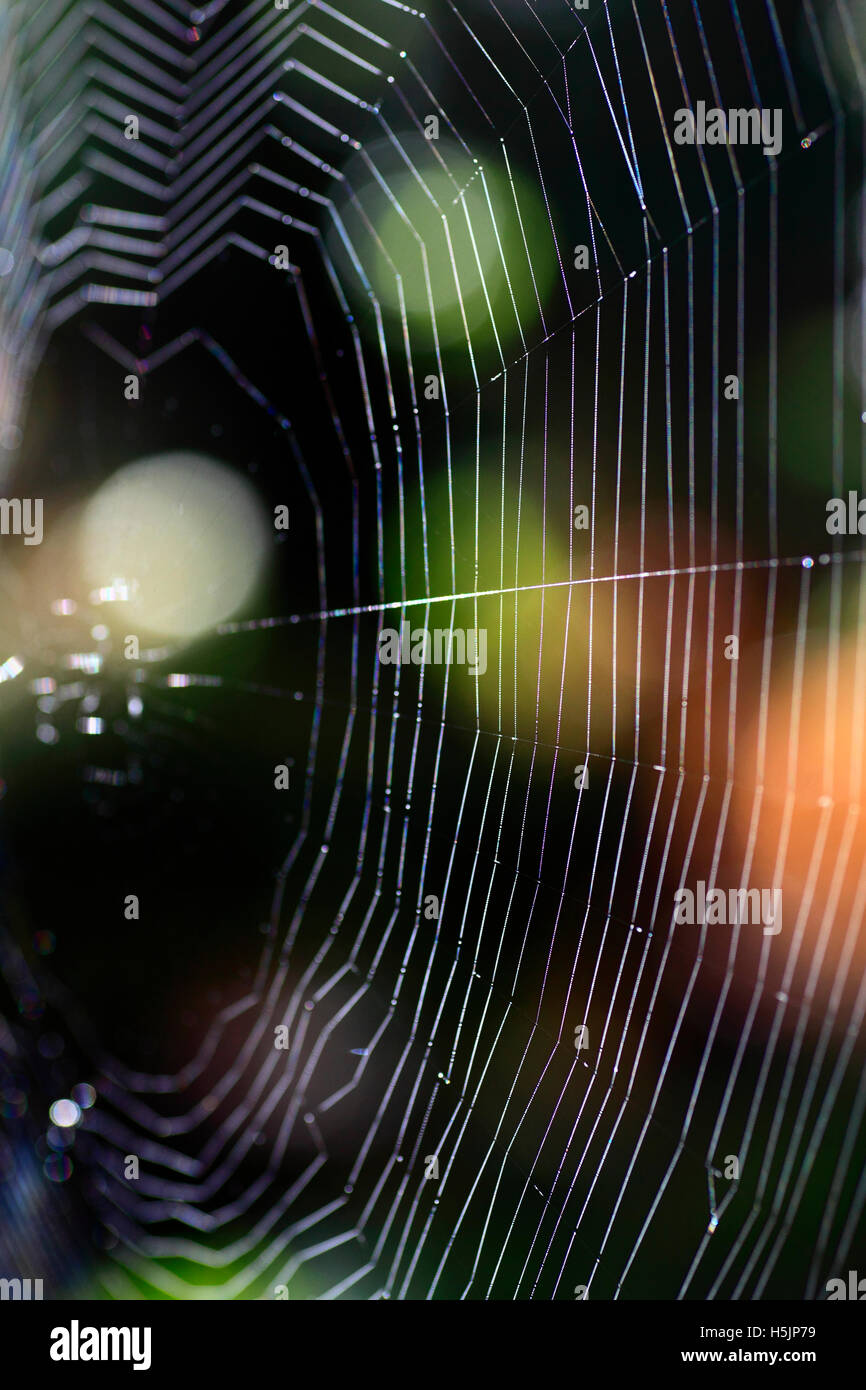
(510, 1071)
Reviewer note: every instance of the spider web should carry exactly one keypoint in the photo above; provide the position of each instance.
(510, 1072)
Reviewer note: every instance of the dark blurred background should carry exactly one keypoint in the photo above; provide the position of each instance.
(300, 381)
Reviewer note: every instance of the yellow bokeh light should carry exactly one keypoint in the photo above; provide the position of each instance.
(185, 534)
